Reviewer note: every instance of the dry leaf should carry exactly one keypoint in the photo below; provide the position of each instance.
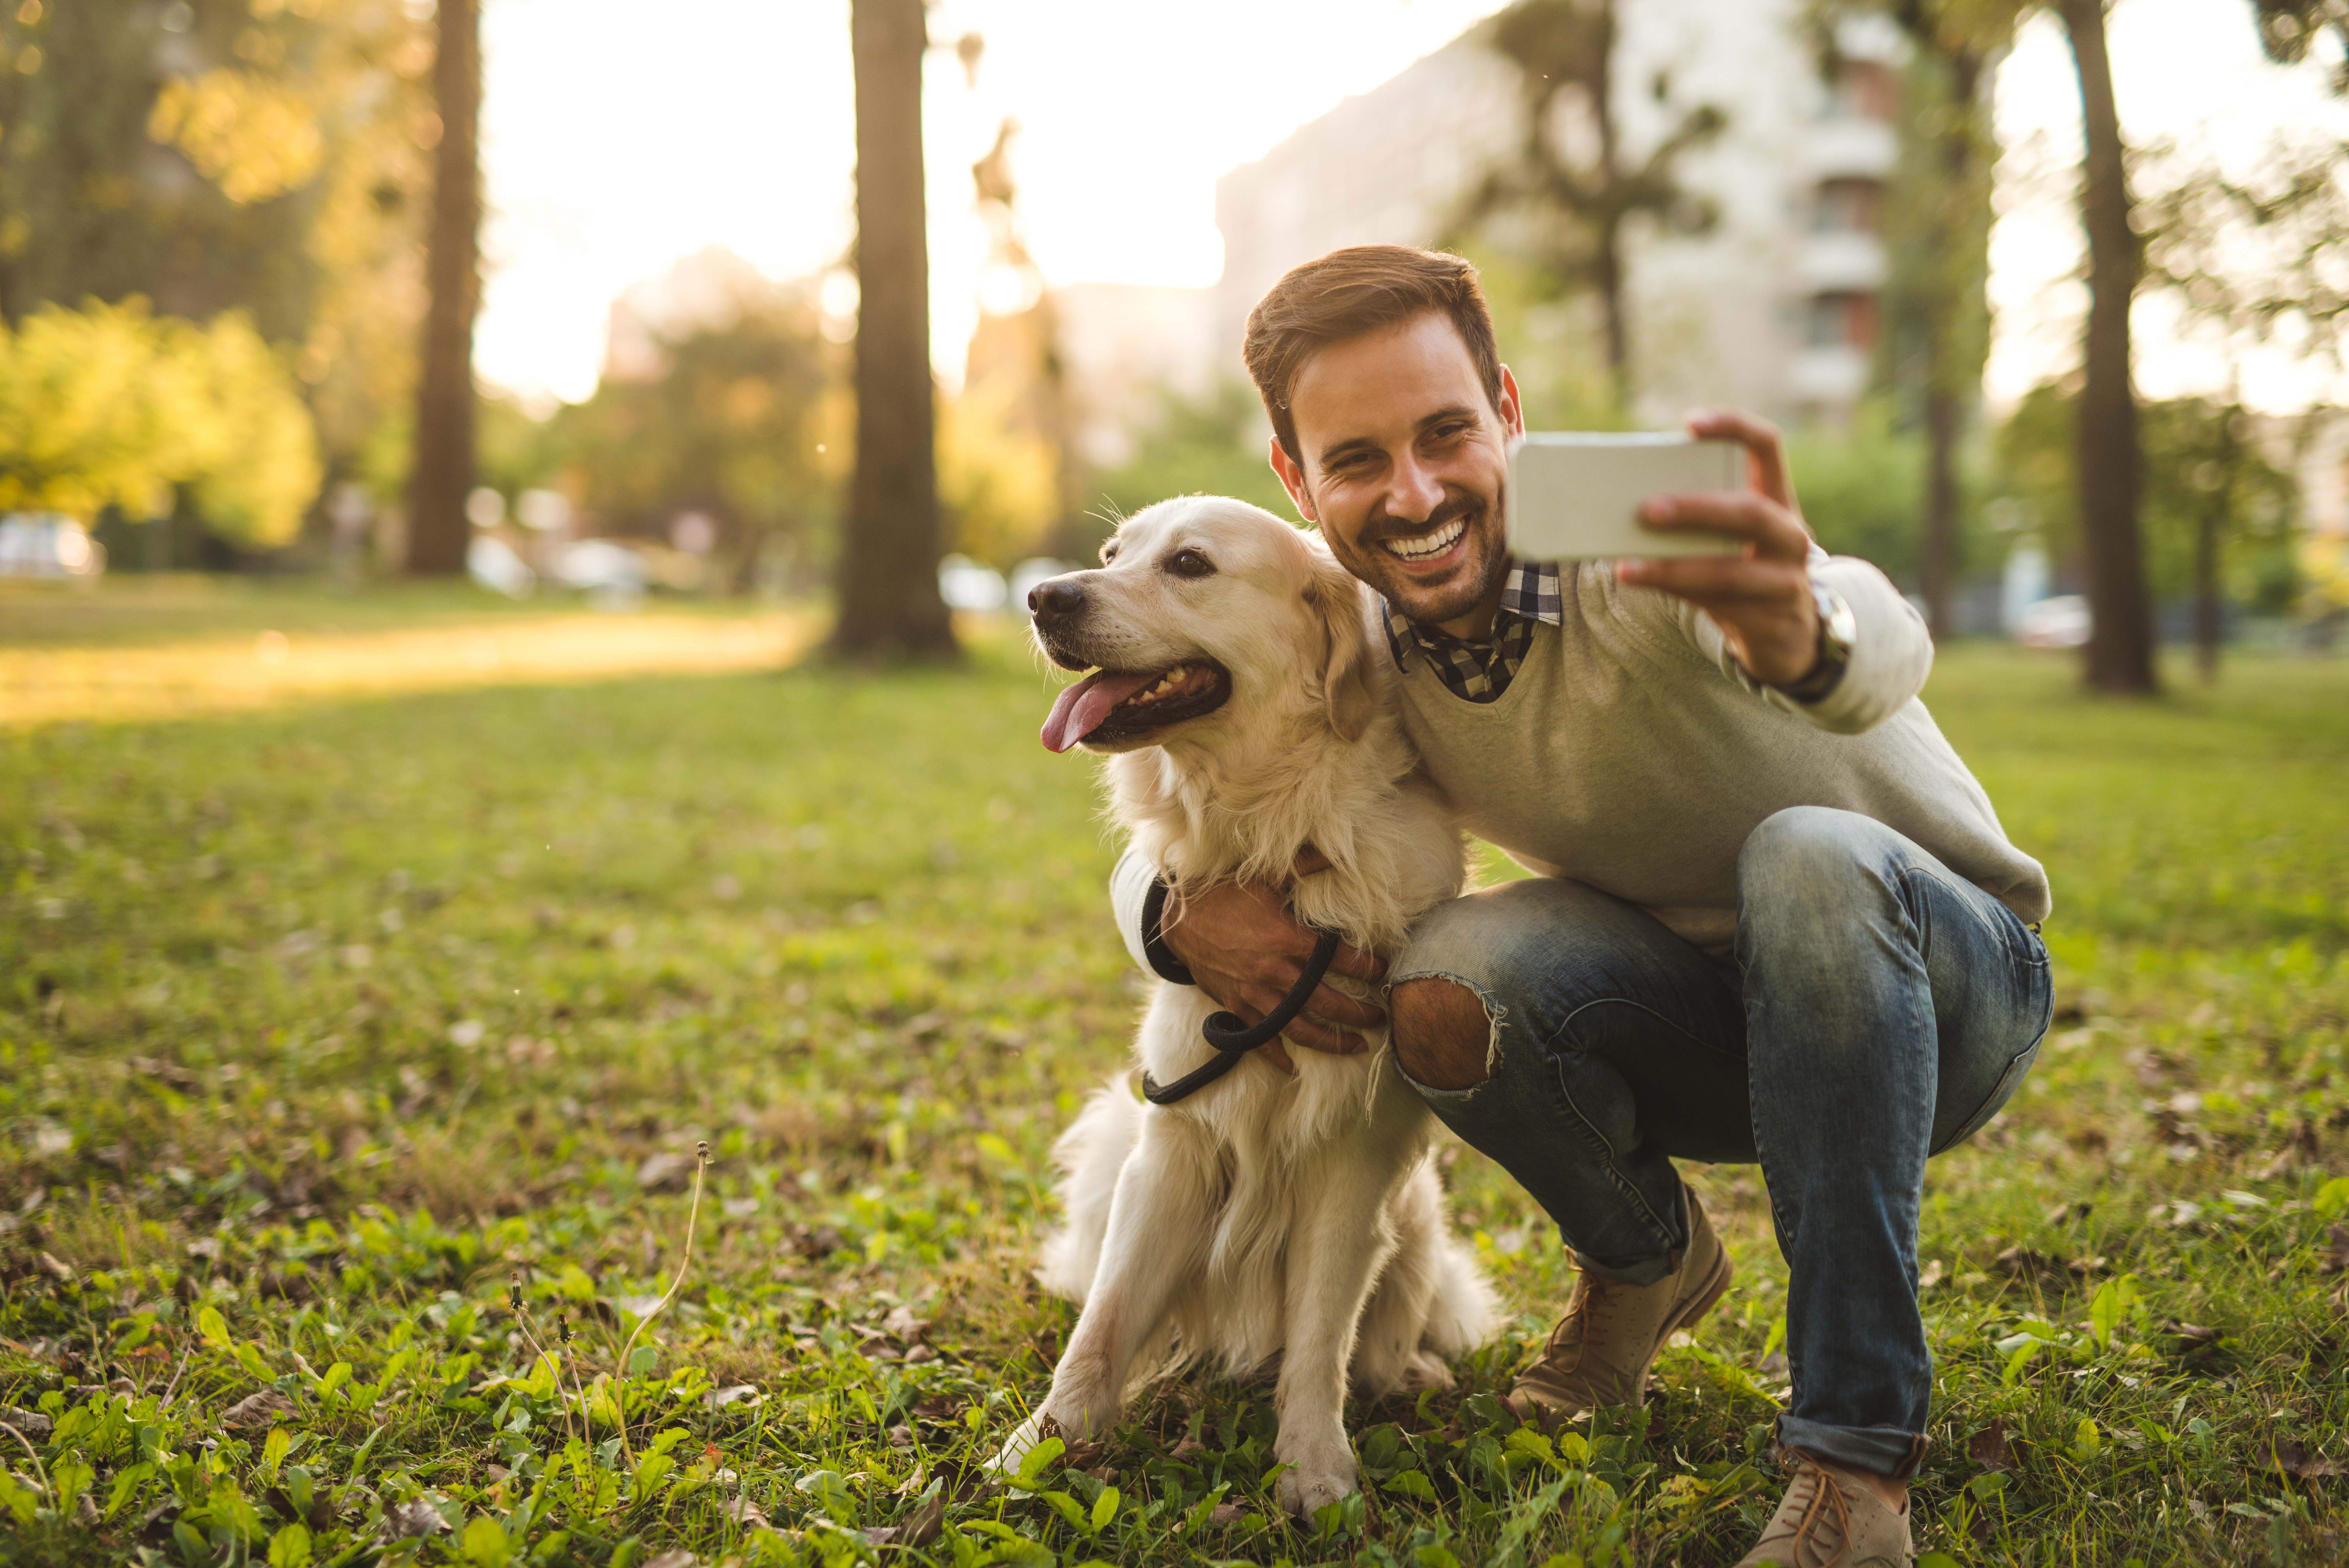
(1990, 1449)
(257, 1410)
(2289, 1457)
(746, 1513)
(678, 1559)
(922, 1525)
(406, 1520)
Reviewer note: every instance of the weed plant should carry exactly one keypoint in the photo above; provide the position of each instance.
(354, 1061)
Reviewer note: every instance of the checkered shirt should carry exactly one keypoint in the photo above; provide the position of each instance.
(1481, 672)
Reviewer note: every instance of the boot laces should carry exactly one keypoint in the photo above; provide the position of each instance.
(1823, 1511)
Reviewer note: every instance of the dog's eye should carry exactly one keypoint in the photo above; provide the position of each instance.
(1109, 552)
(1190, 563)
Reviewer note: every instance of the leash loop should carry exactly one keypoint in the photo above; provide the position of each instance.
(1233, 1039)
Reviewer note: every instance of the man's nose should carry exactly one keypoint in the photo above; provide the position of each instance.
(1056, 599)
(1416, 492)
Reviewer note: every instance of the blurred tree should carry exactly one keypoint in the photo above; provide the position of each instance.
(1567, 197)
(1007, 471)
(2217, 511)
(889, 581)
(2289, 28)
(1935, 218)
(737, 425)
(110, 406)
(216, 155)
(1207, 446)
(442, 474)
(1861, 487)
(2120, 642)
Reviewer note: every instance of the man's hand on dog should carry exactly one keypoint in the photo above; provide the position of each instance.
(1246, 950)
(1761, 599)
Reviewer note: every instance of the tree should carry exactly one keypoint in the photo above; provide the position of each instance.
(1936, 228)
(442, 473)
(112, 407)
(2120, 642)
(887, 583)
(1573, 205)
(220, 158)
(734, 425)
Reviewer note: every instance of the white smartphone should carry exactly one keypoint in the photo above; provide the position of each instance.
(1574, 494)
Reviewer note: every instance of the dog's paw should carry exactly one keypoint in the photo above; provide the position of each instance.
(1317, 1481)
(1032, 1432)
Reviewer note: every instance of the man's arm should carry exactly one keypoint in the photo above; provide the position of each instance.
(1245, 951)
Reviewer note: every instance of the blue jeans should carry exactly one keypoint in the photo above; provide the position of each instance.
(1879, 1009)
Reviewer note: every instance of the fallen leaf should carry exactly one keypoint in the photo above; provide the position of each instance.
(1186, 1447)
(676, 1559)
(1223, 1513)
(746, 1513)
(903, 1326)
(1085, 1456)
(2289, 1457)
(668, 1171)
(922, 1525)
(1931, 1277)
(255, 1411)
(733, 1394)
(51, 1264)
(1990, 1449)
(32, 1423)
(408, 1521)
(2336, 1249)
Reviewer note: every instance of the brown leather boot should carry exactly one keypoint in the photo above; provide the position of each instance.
(1600, 1350)
(1830, 1521)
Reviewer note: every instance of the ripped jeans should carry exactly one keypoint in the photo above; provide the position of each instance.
(1880, 1009)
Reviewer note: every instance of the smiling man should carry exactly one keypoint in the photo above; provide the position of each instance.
(1771, 917)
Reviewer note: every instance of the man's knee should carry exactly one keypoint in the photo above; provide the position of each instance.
(1815, 859)
(1442, 1036)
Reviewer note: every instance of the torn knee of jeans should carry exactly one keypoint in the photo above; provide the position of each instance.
(1443, 1034)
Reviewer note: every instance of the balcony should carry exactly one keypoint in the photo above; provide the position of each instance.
(1847, 147)
(1841, 263)
(1835, 376)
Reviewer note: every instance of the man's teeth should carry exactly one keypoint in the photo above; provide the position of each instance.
(1435, 543)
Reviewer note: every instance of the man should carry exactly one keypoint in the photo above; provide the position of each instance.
(1772, 917)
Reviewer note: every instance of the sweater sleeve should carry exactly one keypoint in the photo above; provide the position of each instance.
(1129, 888)
(1891, 651)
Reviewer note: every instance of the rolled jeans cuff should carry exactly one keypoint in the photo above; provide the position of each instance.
(1879, 1450)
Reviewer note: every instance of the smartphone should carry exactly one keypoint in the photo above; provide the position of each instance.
(1574, 494)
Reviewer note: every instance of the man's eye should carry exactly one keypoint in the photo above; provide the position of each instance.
(1189, 563)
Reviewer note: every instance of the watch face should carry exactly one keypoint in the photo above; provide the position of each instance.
(1837, 624)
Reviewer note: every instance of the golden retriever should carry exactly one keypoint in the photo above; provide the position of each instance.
(1244, 719)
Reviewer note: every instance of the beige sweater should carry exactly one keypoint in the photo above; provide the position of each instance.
(1631, 754)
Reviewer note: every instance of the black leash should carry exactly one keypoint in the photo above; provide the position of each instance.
(1234, 1040)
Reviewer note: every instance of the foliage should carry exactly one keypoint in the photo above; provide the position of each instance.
(321, 1027)
(1564, 197)
(2197, 460)
(109, 405)
(268, 157)
(1215, 445)
(998, 477)
(2258, 256)
(1860, 487)
(745, 421)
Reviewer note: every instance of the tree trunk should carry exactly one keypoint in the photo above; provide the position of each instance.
(1953, 354)
(2208, 612)
(888, 580)
(1614, 307)
(2120, 646)
(441, 475)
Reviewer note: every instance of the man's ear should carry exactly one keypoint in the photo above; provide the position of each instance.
(1292, 479)
(1337, 600)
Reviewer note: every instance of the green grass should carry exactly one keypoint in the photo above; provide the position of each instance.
(322, 1029)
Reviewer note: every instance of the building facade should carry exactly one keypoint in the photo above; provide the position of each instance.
(1774, 307)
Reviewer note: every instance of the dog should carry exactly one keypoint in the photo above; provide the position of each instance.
(1266, 1214)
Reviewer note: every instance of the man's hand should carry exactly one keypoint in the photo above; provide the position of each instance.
(1761, 599)
(1245, 951)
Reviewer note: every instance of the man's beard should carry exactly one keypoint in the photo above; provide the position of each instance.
(1483, 563)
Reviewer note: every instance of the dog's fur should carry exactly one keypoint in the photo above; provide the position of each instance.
(1265, 1215)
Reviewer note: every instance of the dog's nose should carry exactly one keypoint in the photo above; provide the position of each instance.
(1056, 599)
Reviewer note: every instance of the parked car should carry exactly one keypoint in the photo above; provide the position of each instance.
(48, 544)
(2061, 622)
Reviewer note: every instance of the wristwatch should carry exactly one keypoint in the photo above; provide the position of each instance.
(1838, 629)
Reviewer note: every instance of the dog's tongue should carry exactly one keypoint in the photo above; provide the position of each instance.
(1080, 708)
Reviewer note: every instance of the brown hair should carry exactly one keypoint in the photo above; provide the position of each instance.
(1351, 292)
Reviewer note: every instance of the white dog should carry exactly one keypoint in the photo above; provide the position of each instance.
(1265, 1214)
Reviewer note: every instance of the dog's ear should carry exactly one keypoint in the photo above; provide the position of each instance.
(1337, 601)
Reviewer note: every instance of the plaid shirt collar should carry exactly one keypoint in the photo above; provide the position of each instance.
(1530, 595)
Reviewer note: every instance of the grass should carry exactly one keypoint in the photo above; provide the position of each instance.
(356, 1045)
